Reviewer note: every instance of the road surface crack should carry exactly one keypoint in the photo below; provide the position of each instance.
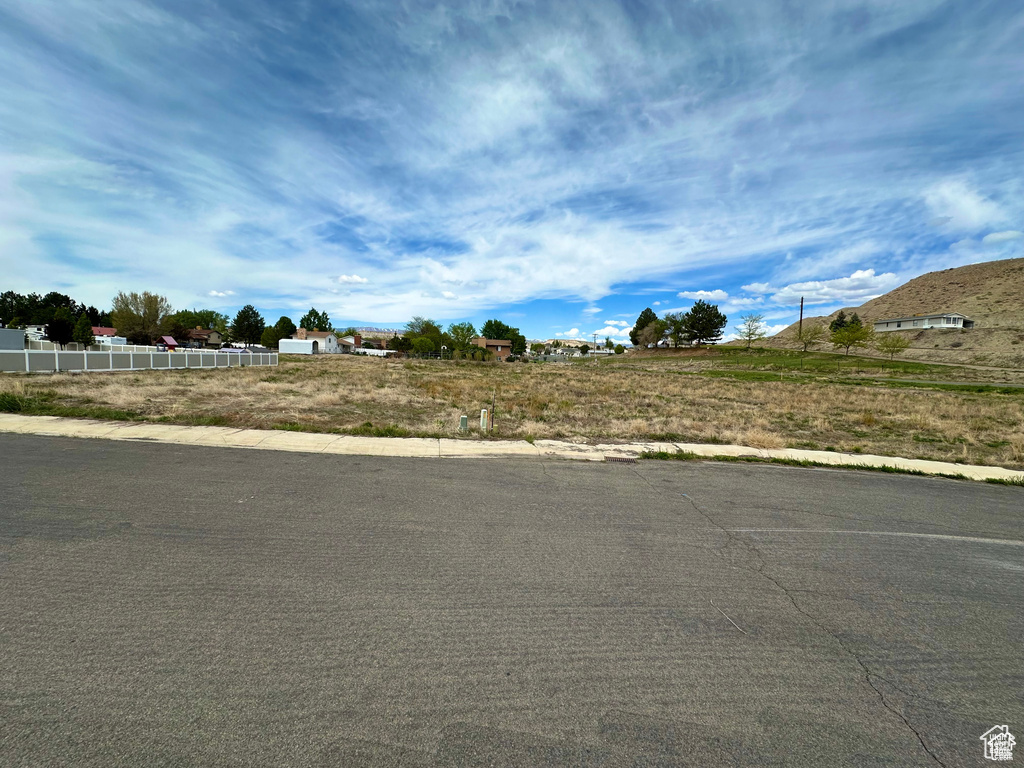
(731, 537)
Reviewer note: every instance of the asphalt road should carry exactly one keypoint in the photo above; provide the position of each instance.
(175, 606)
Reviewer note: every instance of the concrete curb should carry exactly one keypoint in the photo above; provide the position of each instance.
(444, 448)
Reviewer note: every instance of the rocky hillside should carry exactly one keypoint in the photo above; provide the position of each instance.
(991, 294)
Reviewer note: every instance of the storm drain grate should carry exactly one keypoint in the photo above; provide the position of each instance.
(620, 459)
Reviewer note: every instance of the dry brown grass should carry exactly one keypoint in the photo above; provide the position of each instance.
(638, 401)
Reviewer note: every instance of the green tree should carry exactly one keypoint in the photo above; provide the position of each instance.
(140, 317)
(810, 334)
(269, 338)
(838, 322)
(619, 349)
(892, 344)
(400, 343)
(188, 319)
(282, 329)
(585, 349)
(422, 345)
(677, 328)
(83, 332)
(704, 323)
(537, 349)
(646, 317)
(425, 328)
(61, 329)
(315, 320)
(751, 328)
(248, 325)
(495, 329)
(462, 335)
(608, 342)
(851, 335)
(652, 333)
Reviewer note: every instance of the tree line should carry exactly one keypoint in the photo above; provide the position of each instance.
(703, 323)
(426, 337)
(143, 318)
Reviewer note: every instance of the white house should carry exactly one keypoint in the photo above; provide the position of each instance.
(104, 335)
(920, 322)
(310, 343)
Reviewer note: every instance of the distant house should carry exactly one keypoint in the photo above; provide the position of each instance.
(35, 332)
(920, 322)
(208, 338)
(349, 344)
(305, 342)
(104, 335)
(501, 348)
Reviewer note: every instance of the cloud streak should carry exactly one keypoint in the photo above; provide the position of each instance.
(452, 160)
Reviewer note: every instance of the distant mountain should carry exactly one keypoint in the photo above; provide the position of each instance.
(991, 294)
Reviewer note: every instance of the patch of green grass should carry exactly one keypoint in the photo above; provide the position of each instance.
(11, 403)
(1017, 482)
(367, 429)
(197, 420)
(294, 426)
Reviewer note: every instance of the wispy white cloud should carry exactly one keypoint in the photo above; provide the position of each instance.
(716, 295)
(959, 205)
(996, 238)
(221, 294)
(613, 331)
(501, 153)
(857, 288)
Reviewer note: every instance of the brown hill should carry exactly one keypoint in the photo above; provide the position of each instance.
(991, 294)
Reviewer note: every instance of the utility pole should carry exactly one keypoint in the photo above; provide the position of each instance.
(800, 332)
(595, 348)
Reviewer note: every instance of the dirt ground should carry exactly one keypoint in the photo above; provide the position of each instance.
(619, 400)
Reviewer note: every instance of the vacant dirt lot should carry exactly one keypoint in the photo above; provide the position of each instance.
(618, 400)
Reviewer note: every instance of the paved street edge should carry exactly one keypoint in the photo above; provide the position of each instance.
(444, 448)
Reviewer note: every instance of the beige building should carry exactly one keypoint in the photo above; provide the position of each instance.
(501, 348)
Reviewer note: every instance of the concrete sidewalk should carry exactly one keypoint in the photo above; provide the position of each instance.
(444, 448)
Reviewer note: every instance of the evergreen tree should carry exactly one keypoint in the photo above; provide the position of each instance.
(61, 329)
(315, 320)
(248, 325)
(704, 323)
(646, 318)
(840, 321)
(83, 331)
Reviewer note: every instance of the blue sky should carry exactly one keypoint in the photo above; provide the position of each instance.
(558, 165)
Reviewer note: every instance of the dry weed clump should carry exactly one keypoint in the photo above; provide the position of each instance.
(624, 402)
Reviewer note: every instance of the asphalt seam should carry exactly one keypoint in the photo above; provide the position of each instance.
(760, 571)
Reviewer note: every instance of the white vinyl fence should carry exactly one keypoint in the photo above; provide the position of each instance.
(74, 346)
(47, 361)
